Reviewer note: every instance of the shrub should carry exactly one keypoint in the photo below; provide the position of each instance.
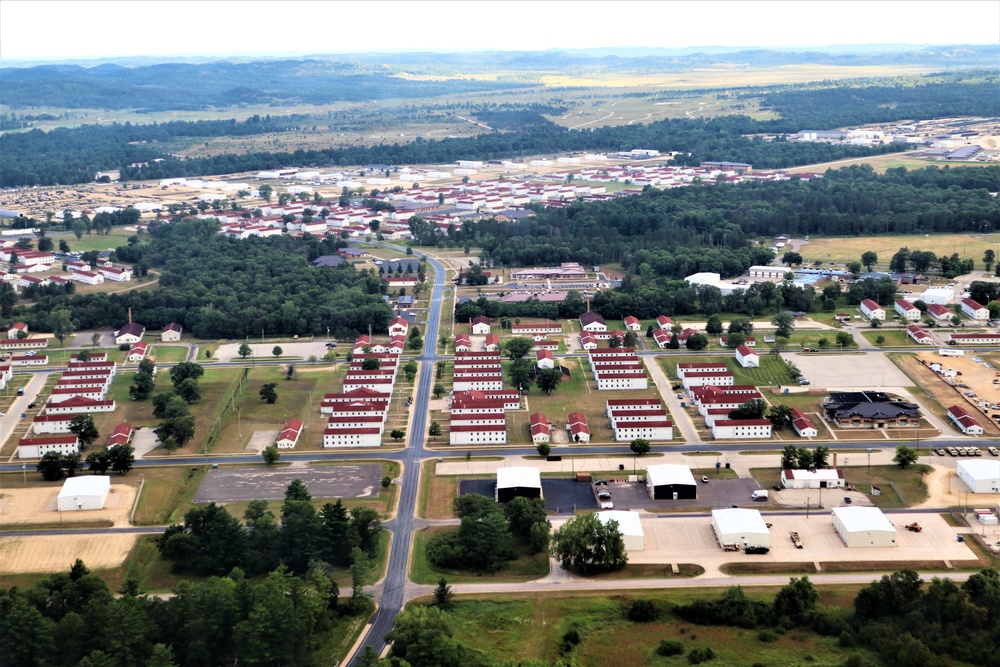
(643, 611)
(767, 636)
(669, 647)
(700, 655)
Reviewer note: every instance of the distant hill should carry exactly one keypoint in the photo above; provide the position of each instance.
(201, 83)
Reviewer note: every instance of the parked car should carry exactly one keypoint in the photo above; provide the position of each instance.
(331, 345)
(939, 452)
(601, 482)
(952, 451)
(704, 479)
(993, 451)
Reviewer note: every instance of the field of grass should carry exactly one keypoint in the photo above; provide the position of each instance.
(772, 370)
(893, 337)
(525, 568)
(900, 487)
(167, 493)
(533, 626)
(168, 354)
(841, 249)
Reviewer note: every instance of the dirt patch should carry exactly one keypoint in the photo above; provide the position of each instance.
(38, 506)
(260, 440)
(975, 377)
(56, 553)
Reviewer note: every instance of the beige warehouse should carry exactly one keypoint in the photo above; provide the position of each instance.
(742, 527)
(629, 526)
(863, 527)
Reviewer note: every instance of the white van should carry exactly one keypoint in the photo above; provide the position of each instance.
(759, 494)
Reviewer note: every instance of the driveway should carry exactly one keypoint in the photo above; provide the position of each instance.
(83, 339)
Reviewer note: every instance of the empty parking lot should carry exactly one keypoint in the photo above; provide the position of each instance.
(236, 484)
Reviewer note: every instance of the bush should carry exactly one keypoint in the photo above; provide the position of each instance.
(700, 655)
(570, 639)
(767, 636)
(124, 347)
(669, 647)
(643, 611)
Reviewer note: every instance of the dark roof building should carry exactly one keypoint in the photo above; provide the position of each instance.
(332, 261)
(870, 409)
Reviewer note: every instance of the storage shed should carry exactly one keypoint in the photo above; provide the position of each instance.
(514, 482)
(827, 478)
(671, 482)
(742, 527)
(87, 492)
(981, 476)
(629, 526)
(863, 527)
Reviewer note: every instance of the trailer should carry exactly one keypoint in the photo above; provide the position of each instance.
(945, 352)
(796, 540)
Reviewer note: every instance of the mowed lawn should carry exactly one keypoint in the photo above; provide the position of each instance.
(845, 249)
(772, 370)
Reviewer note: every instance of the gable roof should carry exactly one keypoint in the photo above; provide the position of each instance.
(133, 328)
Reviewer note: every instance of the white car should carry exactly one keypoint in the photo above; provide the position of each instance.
(31, 353)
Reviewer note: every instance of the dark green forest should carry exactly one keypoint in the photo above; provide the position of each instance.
(75, 155)
(224, 288)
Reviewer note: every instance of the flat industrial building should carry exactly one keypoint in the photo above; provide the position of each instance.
(671, 482)
(87, 492)
(863, 527)
(742, 527)
(629, 525)
(518, 481)
(982, 476)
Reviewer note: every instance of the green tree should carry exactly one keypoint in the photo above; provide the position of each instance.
(371, 364)
(142, 386)
(188, 390)
(905, 456)
(844, 339)
(25, 635)
(410, 370)
(789, 457)
(266, 192)
(122, 457)
(714, 325)
(51, 466)
(520, 373)
(245, 350)
(821, 456)
(397, 434)
(640, 446)
(988, 258)
(268, 393)
(421, 637)
(854, 268)
(277, 351)
(791, 258)
(549, 379)
(270, 454)
(780, 416)
(752, 409)
(82, 426)
(584, 543)
(61, 323)
(517, 348)
(796, 601)
(784, 324)
(443, 594)
(522, 513)
(438, 390)
(434, 430)
(869, 259)
(543, 449)
(185, 370)
(697, 342)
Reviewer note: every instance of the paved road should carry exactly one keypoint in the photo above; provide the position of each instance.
(20, 405)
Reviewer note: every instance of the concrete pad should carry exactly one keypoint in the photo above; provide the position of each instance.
(261, 439)
(855, 370)
(144, 441)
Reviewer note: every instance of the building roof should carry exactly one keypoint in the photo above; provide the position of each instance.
(973, 304)
(291, 430)
(628, 522)
(133, 328)
(518, 476)
(745, 351)
(668, 473)
(737, 520)
(870, 305)
(85, 485)
(980, 469)
(863, 519)
(962, 416)
(590, 317)
(822, 474)
(938, 309)
(173, 326)
(904, 304)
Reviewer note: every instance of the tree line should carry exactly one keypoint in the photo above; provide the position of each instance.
(218, 287)
(74, 618)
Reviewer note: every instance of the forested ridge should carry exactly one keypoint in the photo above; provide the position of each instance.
(75, 155)
(219, 287)
(680, 231)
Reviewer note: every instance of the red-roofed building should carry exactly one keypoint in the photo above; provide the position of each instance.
(726, 429)
(632, 323)
(907, 310)
(747, 358)
(17, 330)
(975, 310)
(939, 312)
(398, 327)
(579, 430)
(802, 425)
(36, 448)
(544, 359)
(121, 435)
(919, 334)
(964, 420)
(539, 426)
(872, 310)
(664, 322)
(289, 435)
(137, 352)
(492, 342)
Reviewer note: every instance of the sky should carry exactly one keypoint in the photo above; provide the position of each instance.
(84, 29)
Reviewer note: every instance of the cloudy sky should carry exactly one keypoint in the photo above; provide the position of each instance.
(30, 29)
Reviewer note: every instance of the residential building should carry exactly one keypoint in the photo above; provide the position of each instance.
(171, 333)
(540, 427)
(725, 429)
(130, 333)
(746, 357)
(803, 425)
(975, 310)
(907, 310)
(872, 310)
(289, 435)
(964, 420)
(36, 448)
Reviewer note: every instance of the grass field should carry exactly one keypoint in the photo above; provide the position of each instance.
(533, 626)
(901, 487)
(772, 370)
(525, 568)
(893, 337)
(841, 249)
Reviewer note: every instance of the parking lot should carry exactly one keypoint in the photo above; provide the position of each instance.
(237, 484)
(563, 496)
(692, 540)
(848, 372)
(717, 493)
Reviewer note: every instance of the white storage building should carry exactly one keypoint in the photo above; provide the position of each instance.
(671, 482)
(629, 526)
(981, 476)
(742, 527)
(518, 481)
(813, 479)
(863, 527)
(87, 492)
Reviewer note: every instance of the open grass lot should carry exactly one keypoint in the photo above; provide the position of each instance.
(532, 627)
(168, 354)
(438, 492)
(166, 493)
(893, 337)
(772, 370)
(882, 163)
(901, 487)
(841, 249)
(525, 568)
